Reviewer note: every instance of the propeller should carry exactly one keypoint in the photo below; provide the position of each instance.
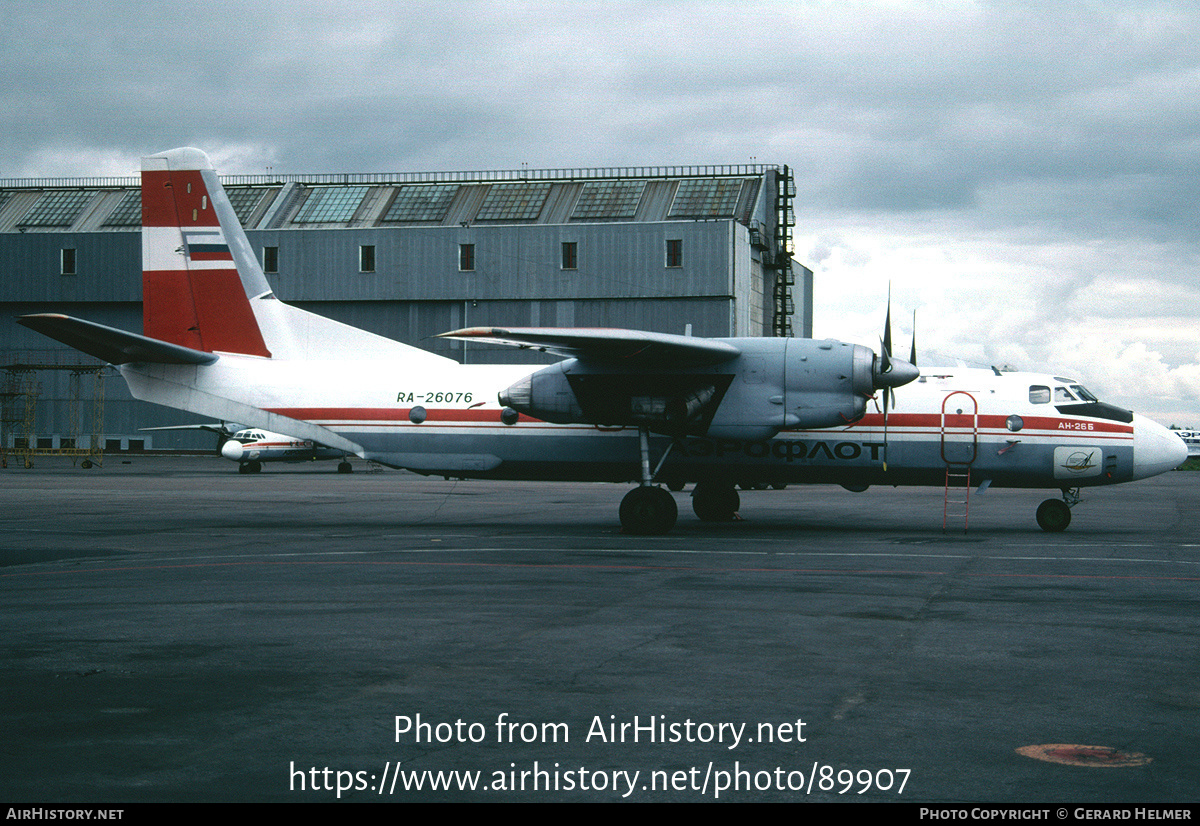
(891, 372)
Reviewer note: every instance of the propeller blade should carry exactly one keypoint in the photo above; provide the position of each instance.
(912, 356)
(889, 372)
(887, 334)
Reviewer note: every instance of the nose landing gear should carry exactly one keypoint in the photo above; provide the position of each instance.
(1054, 515)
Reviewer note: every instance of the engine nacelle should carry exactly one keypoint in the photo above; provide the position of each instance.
(795, 384)
(545, 395)
(774, 384)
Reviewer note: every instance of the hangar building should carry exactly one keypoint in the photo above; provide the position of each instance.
(705, 250)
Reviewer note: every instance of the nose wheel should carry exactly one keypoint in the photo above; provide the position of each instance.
(1054, 515)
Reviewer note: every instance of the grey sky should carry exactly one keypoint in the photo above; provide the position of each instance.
(1023, 174)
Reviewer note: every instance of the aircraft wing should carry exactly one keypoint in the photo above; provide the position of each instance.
(631, 347)
(110, 344)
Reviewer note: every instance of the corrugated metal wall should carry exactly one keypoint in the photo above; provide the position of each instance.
(620, 276)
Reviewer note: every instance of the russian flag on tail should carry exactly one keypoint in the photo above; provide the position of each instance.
(206, 245)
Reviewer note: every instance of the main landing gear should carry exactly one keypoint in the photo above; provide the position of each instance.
(1054, 515)
(715, 501)
(254, 466)
(648, 510)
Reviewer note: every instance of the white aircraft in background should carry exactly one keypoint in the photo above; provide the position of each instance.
(1191, 438)
(624, 406)
(250, 447)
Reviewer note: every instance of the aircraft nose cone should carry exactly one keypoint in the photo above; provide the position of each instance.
(1155, 449)
(899, 373)
(232, 450)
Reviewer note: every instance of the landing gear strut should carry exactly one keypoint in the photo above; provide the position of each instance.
(1054, 515)
(647, 510)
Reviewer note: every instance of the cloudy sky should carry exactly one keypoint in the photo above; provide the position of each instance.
(1024, 175)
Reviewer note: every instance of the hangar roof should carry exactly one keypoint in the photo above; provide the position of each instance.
(526, 196)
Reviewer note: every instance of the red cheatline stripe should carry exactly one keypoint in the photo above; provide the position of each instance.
(958, 424)
(388, 414)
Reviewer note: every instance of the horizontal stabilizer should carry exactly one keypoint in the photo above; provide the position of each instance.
(110, 344)
(607, 345)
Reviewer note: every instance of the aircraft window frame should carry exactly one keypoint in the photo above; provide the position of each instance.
(1039, 394)
(1083, 393)
(1062, 394)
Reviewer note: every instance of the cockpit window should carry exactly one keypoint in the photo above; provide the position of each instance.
(1062, 394)
(1039, 394)
(1083, 393)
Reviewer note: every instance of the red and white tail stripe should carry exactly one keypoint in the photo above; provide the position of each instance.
(192, 250)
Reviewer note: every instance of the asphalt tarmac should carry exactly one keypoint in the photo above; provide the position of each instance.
(174, 631)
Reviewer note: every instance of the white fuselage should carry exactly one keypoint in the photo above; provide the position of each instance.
(442, 417)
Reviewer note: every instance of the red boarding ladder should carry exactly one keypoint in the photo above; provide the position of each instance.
(960, 439)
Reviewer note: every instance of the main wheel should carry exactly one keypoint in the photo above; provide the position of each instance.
(345, 467)
(1053, 515)
(715, 501)
(648, 511)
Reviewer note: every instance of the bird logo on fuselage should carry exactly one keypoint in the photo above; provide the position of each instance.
(1080, 461)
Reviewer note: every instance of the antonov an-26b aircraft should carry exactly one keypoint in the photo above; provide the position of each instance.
(250, 447)
(624, 406)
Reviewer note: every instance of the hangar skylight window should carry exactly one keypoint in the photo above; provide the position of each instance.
(331, 205)
(244, 199)
(706, 198)
(4, 196)
(421, 203)
(513, 202)
(609, 199)
(128, 213)
(57, 208)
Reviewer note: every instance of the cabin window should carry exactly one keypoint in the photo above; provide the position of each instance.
(1039, 394)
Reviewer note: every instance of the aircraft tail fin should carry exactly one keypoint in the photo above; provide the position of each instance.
(199, 273)
(202, 285)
